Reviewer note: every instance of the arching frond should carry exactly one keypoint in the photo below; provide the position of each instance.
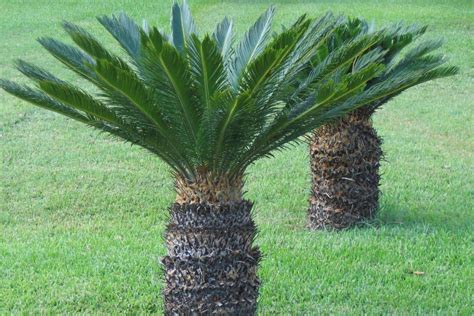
(78, 99)
(72, 57)
(41, 99)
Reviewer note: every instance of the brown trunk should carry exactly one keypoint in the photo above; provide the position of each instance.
(211, 266)
(345, 159)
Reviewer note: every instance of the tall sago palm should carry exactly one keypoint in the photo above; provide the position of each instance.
(209, 108)
(345, 154)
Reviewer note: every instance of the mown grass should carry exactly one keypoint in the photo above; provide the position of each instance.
(82, 215)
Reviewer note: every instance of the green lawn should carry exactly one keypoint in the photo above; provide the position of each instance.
(82, 215)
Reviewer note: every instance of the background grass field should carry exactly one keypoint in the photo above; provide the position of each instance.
(82, 215)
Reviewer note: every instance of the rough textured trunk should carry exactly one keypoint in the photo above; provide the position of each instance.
(211, 266)
(345, 159)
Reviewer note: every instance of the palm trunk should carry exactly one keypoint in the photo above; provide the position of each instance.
(211, 265)
(345, 159)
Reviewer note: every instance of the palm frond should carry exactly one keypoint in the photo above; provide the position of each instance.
(223, 36)
(251, 44)
(117, 98)
(283, 80)
(398, 37)
(64, 92)
(382, 91)
(92, 46)
(41, 99)
(78, 99)
(125, 31)
(182, 25)
(166, 70)
(73, 58)
(131, 87)
(343, 57)
(34, 72)
(207, 69)
(418, 51)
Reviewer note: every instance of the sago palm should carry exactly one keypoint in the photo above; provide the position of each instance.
(345, 155)
(209, 109)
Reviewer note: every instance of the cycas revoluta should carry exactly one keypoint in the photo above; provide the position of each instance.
(345, 154)
(208, 108)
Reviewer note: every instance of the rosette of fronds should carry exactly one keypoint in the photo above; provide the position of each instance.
(407, 60)
(208, 104)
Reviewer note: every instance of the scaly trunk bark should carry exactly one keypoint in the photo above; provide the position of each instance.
(345, 159)
(211, 265)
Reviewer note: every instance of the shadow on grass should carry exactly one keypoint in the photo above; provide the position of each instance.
(391, 214)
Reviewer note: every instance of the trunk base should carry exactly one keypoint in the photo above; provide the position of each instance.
(345, 159)
(211, 266)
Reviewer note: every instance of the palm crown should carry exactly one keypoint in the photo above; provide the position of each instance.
(404, 68)
(203, 104)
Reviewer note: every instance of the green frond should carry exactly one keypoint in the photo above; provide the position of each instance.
(78, 99)
(343, 57)
(166, 70)
(82, 64)
(415, 67)
(211, 126)
(34, 72)
(388, 48)
(41, 99)
(114, 91)
(64, 92)
(125, 31)
(316, 34)
(382, 91)
(439, 72)
(73, 58)
(91, 45)
(352, 84)
(264, 79)
(223, 36)
(182, 25)
(417, 52)
(251, 44)
(207, 69)
(283, 81)
(398, 37)
(85, 40)
(246, 112)
(268, 62)
(373, 55)
(128, 85)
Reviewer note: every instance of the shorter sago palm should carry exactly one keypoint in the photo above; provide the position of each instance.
(345, 154)
(208, 109)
